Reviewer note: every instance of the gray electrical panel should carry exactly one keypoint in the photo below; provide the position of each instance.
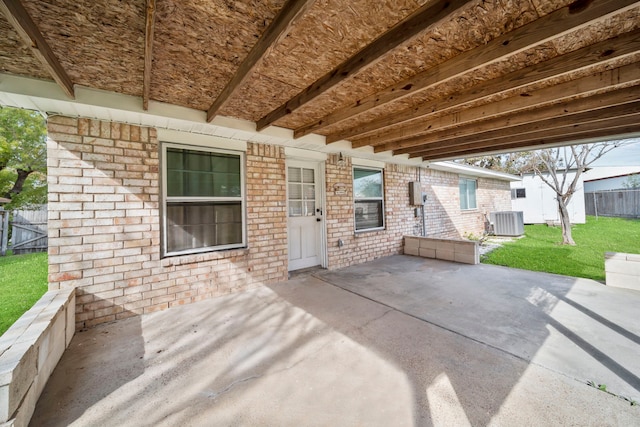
(415, 194)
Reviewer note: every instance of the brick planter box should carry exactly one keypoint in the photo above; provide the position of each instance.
(29, 351)
(457, 250)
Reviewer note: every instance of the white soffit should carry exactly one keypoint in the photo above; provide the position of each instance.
(172, 121)
(211, 141)
(367, 163)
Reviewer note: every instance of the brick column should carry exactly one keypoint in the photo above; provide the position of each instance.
(267, 212)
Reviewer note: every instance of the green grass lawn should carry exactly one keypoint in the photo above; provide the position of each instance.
(540, 250)
(23, 280)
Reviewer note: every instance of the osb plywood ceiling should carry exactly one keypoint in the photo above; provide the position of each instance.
(432, 79)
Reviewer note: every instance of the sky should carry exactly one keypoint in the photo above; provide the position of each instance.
(627, 155)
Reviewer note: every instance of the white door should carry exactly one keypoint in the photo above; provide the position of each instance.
(306, 214)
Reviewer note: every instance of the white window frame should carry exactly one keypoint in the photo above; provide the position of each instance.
(355, 200)
(475, 189)
(165, 199)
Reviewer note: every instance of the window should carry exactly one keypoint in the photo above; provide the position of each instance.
(302, 191)
(203, 204)
(518, 193)
(368, 199)
(467, 194)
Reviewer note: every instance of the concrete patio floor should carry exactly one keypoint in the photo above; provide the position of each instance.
(401, 341)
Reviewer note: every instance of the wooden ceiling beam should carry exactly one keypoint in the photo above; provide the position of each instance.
(586, 57)
(276, 31)
(615, 132)
(533, 34)
(541, 129)
(149, 26)
(22, 23)
(428, 15)
(410, 135)
(489, 127)
(596, 128)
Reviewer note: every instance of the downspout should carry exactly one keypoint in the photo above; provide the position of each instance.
(424, 204)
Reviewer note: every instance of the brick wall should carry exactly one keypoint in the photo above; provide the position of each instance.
(104, 221)
(367, 246)
(443, 215)
(267, 213)
(443, 203)
(104, 224)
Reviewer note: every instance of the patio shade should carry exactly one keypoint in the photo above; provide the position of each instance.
(432, 79)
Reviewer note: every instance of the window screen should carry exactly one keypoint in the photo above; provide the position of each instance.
(368, 197)
(204, 200)
(467, 194)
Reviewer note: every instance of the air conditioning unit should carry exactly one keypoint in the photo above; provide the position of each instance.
(507, 223)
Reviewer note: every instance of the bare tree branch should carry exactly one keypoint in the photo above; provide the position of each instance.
(576, 160)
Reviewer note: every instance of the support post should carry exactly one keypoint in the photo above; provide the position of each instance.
(4, 231)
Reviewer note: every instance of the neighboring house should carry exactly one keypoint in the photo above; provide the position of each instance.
(608, 178)
(538, 201)
(608, 191)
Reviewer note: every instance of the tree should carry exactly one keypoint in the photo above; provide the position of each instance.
(632, 181)
(554, 167)
(509, 163)
(23, 157)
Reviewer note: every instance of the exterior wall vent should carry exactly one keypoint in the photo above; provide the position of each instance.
(507, 223)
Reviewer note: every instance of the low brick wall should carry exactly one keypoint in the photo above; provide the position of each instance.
(622, 270)
(457, 250)
(29, 351)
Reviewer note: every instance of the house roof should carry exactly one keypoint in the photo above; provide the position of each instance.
(473, 171)
(598, 173)
(424, 79)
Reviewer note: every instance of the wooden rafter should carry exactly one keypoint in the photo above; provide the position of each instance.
(596, 128)
(607, 50)
(148, 52)
(278, 29)
(552, 127)
(417, 22)
(548, 27)
(411, 134)
(622, 131)
(502, 124)
(22, 23)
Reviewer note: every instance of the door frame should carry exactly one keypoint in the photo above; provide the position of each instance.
(319, 160)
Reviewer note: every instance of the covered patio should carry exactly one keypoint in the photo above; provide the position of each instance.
(398, 341)
(333, 88)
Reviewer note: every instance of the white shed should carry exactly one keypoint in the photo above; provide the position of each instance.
(538, 201)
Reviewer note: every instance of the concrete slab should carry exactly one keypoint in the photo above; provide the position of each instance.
(308, 352)
(577, 327)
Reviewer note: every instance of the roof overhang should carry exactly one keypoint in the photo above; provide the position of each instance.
(402, 79)
(47, 97)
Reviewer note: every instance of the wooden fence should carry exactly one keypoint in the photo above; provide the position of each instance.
(28, 229)
(617, 203)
